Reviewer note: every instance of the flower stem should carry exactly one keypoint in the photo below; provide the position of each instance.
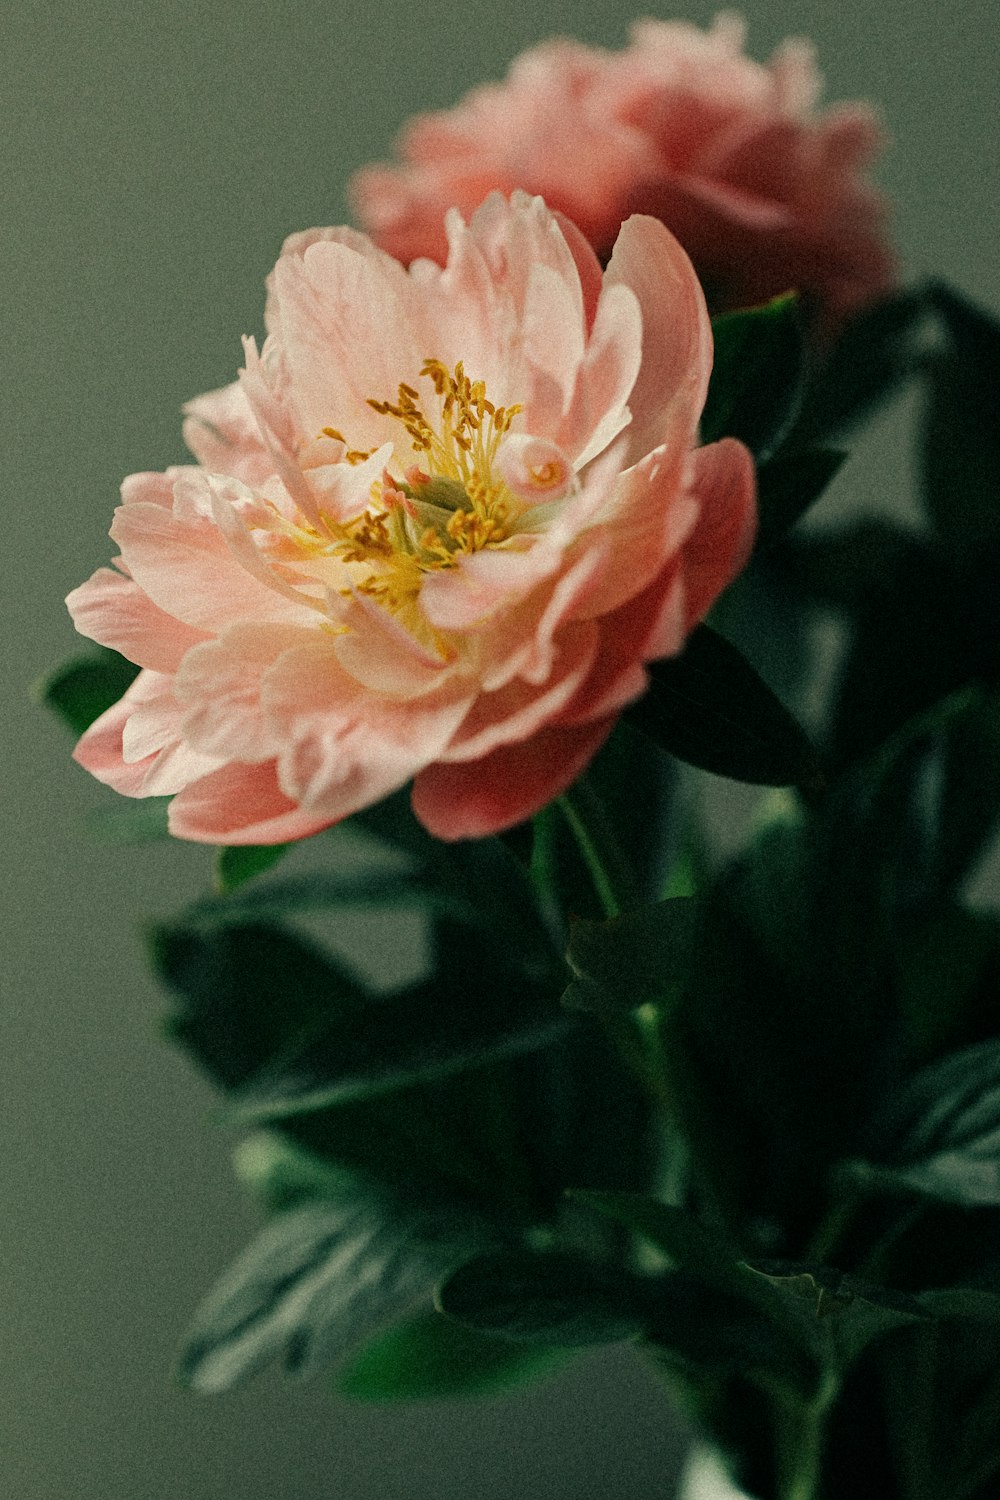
(598, 843)
(615, 888)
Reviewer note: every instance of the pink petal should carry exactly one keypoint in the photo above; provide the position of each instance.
(185, 566)
(116, 612)
(481, 797)
(219, 689)
(723, 480)
(520, 708)
(240, 805)
(669, 394)
(222, 432)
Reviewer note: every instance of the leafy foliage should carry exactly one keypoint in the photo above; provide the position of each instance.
(710, 708)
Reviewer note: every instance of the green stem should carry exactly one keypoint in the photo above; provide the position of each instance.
(614, 886)
(598, 843)
(807, 1465)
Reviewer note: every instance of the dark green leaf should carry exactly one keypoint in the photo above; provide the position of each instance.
(690, 1245)
(544, 1298)
(961, 433)
(473, 1009)
(82, 690)
(640, 957)
(712, 1313)
(756, 383)
(430, 1358)
(940, 1135)
(966, 1303)
(249, 993)
(710, 708)
(279, 1173)
(854, 1312)
(874, 355)
(320, 1277)
(241, 862)
(788, 486)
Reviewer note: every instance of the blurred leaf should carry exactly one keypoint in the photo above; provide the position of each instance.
(546, 1298)
(855, 1312)
(710, 708)
(430, 1358)
(249, 993)
(474, 1008)
(84, 688)
(787, 486)
(756, 382)
(631, 960)
(940, 1135)
(875, 353)
(961, 430)
(280, 1173)
(970, 791)
(690, 1245)
(971, 1303)
(949, 963)
(238, 863)
(849, 566)
(318, 1278)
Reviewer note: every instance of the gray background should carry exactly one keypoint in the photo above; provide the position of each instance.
(154, 156)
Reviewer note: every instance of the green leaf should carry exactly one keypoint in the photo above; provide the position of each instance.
(248, 993)
(546, 1298)
(854, 1313)
(710, 708)
(788, 486)
(877, 351)
(711, 1313)
(430, 1358)
(320, 1277)
(84, 688)
(238, 863)
(940, 1135)
(473, 1009)
(947, 972)
(689, 1244)
(961, 430)
(638, 958)
(966, 1303)
(756, 382)
(279, 1173)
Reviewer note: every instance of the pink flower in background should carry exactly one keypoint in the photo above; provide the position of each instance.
(434, 533)
(764, 193)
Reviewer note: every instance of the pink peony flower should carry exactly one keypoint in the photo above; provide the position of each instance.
(765, 194)
(435, 533)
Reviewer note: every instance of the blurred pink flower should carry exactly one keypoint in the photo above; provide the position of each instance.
(764, 193)
(435, 532)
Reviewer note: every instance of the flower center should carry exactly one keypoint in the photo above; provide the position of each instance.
(450, 501)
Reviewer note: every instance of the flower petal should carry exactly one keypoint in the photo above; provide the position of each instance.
(476, 798)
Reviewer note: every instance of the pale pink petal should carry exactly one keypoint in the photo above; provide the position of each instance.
(346, 337)
(344, 747)
(222, 432)
(115, 612)
(669, 394)
(219, 687)
(186, 567)
(378, 652)
(240, 804)
(723, 480)
(477, 798)
(521, 708)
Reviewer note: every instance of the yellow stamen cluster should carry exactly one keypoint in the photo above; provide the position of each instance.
(450, 502)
